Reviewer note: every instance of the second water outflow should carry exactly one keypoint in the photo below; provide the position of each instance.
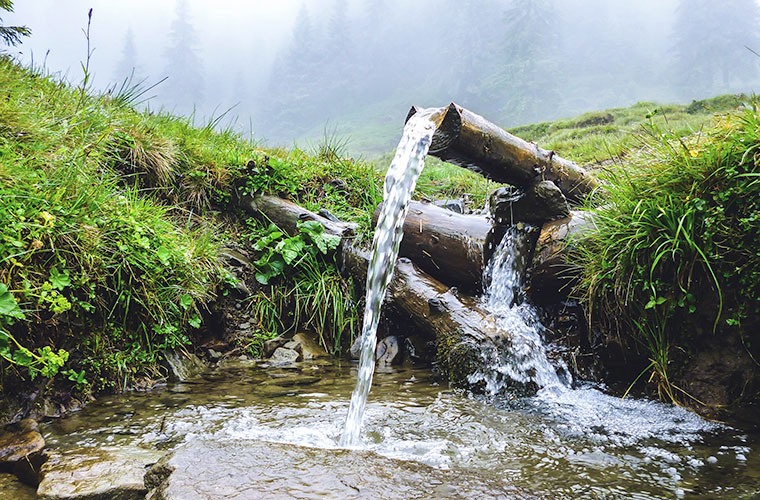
(524, 360)
(399, 185)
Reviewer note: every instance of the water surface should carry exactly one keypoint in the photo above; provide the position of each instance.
(558, 444)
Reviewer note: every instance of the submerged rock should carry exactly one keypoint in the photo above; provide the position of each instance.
(206, 470)
(12, 488)
(97, 474)
(18, 441)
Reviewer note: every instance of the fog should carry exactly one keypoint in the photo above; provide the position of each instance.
(294, 71)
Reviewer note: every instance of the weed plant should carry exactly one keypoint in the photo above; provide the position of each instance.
(675, 250)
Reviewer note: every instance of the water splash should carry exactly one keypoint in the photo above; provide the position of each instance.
(524, 360)
(399, 185)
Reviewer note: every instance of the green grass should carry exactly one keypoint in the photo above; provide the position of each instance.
(674, 254)
(110, 229)
(91, 264)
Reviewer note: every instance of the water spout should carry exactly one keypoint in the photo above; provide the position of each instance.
(397, 192)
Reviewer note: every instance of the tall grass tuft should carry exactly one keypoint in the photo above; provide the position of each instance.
(675, 251)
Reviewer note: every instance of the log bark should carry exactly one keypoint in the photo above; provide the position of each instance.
(449, 246)
(552, 277)
(470, 141)
(467, 341)
(466, 338)
(286, 215)
(536, 205)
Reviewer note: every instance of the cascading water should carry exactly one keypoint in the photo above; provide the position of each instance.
(524, 361)
(399, 185)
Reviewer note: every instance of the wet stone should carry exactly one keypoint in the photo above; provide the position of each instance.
(294, 346)
(284, 356)
(18, 441)
(387, 351)
(452, 205)
(206, 470)
(104, 473)
(272, 344)
(309, 347)
(541, 202)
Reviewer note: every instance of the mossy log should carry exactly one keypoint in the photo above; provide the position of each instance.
(552, 276)
(449, 246)
(464, 334)
(470, 141)
(286, 215)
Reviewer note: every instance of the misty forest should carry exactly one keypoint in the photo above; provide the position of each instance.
(501, 249)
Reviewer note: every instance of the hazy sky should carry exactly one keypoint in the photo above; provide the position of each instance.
(607, 53)
(223, 25)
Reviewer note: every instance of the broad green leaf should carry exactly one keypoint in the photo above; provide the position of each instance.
(59, 280)
(8, 304)
(163, 255)
(23, 357)
(195, 321)
(185, 301)
(290, 249)
(5, 345)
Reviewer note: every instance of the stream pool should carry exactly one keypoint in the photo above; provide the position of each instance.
(571, 444)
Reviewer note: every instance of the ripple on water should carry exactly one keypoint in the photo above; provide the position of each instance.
(572, 444)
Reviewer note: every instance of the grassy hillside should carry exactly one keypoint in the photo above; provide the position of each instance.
(113, 224)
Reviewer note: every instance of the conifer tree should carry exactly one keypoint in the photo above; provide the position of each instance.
(127, 67)
(184, 87)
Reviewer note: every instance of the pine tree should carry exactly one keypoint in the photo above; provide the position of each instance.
(127, 67)
(184, 87)
(527, 78)
(11, 35)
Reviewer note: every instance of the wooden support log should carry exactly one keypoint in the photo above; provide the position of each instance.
(539, 203)
(449, 246)
(286, 215)
(465, 335)
(470, 141)
(551, 276)
(467, 341)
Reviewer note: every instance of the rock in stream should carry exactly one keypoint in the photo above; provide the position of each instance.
(104, 473)
(213, 470)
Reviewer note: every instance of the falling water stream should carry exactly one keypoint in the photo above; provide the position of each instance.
(399, 185)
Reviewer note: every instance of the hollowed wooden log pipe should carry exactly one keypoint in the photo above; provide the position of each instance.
(470, 141)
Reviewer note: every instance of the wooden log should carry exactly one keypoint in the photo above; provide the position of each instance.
(552, 277)
(467, 341)
(466, 337)
(286, 215)
(470, 141)
(539, 203)
(451, 247)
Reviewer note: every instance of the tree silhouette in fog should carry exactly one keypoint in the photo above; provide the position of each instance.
(710, 45)
(183, 91)
(127, 67)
